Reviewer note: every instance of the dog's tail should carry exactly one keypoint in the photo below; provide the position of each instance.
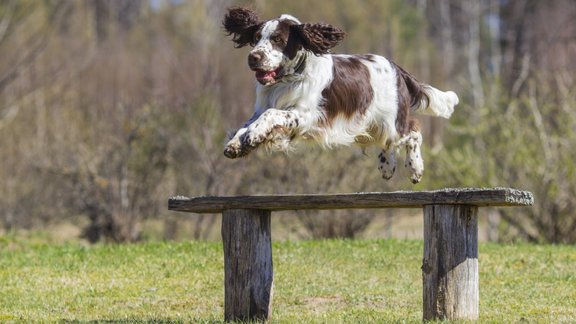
(435, 102)
(425, 99)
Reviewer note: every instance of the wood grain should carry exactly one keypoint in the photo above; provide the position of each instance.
(248, 273)
(397, 199)
(450, 263)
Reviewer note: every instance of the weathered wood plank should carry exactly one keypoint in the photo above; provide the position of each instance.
(248, 275)
(397, 199)
(450, 263)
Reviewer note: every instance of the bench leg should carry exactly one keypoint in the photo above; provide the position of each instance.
(248, 277)
(450, 263)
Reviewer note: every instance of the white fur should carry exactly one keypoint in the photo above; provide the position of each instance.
(414, 161)
(272, 58)
(289, 17)
(441, 103)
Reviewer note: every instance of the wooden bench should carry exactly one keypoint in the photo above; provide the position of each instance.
(449, 266)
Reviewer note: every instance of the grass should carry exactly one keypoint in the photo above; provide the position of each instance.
(315, 281)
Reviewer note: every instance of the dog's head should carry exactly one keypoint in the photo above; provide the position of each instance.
(278, 44)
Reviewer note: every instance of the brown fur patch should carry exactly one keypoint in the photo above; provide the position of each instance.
(410, 93)
(318, 38)
(241, 23)
(414, 125)
(289, 42)
(350, 92)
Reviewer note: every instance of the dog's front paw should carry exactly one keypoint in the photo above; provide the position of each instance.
(242, 145)
(250, 140)
(235, 147)
(232, 150)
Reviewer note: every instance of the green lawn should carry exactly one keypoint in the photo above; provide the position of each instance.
(315, 281)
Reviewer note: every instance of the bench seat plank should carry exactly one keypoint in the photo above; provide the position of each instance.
(397, 199)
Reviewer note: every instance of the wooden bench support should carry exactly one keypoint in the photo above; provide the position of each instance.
(248, 277)
(450, 263)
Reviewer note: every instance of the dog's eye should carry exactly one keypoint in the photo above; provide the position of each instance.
(257, 37)
(276, 39)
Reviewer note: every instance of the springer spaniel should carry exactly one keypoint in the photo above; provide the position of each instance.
(305, 93)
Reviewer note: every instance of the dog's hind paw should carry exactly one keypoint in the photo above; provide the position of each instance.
(387, 163)
(416, 177)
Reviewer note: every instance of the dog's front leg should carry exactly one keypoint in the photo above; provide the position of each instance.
(233, 148)
(269, 126)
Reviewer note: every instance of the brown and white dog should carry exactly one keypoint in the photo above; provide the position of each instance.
(305, 93)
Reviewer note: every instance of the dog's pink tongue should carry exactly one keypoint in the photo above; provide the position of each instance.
(265, 76)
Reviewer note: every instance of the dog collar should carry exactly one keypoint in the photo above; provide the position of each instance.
(301, 64)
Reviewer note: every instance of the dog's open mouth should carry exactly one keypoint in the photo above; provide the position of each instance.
(266, 77)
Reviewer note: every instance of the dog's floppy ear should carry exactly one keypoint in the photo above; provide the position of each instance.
(318, 38)
(242, 23)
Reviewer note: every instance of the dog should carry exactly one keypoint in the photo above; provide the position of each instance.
(305, 93)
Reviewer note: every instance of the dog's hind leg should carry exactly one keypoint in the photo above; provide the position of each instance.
(414, 161)
(387, 161)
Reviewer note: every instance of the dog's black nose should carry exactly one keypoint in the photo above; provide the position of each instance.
(254, 59)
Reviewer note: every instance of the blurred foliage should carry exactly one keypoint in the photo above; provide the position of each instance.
(109, 107)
